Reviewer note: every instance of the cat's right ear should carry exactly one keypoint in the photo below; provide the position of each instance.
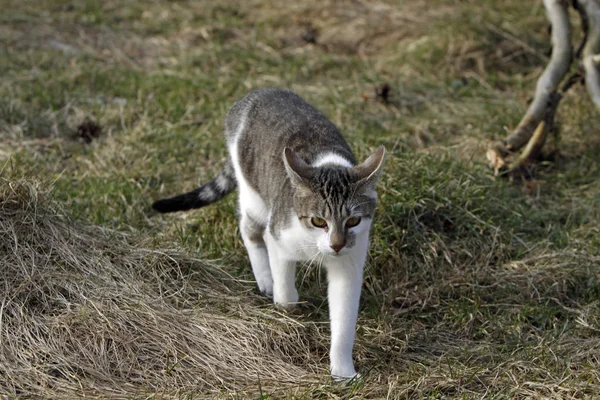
(297, 169)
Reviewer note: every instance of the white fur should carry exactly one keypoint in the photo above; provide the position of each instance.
(274, 267)
(250, 201)
(222, 182)
(298, 242)
(331, 158)
(251, 204)
(372, 194)
(259, 260)
(345, 275)
(283, 270)
(344, 269)
(207, 193)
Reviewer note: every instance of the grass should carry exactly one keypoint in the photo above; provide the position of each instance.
(475, 287)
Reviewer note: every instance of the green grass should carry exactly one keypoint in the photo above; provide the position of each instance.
(475, 285)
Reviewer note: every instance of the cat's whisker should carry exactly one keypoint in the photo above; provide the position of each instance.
(311, 260)
(308, 247)
(321, 269)
(309, 265)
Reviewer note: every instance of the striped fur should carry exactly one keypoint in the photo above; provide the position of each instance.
(219, 187)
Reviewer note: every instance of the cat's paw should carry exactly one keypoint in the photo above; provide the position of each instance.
(286, 300)
(347, 379)
(344, 374)
(265, 285)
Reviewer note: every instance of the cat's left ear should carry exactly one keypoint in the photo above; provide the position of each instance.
(368, 171)
(297, 169)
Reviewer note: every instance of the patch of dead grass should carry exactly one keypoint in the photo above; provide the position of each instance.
(83, 312)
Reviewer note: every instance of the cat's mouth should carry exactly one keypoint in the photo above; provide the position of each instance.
(332, 253)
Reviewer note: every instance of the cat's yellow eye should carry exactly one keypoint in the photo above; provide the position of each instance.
(352, 222)
(318, 222)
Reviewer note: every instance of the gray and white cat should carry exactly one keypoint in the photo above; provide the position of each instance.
(301, 197)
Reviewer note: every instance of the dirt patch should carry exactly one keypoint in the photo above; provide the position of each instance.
(88, 131)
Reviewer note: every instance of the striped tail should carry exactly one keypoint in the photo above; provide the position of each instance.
(219, 187)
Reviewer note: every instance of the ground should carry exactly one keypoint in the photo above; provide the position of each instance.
(476, 286)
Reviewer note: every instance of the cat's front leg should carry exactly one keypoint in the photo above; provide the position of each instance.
(252, 234)
(283, 271)
(345, 282)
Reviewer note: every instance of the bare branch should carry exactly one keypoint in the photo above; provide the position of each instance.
(584, 26)
(534, 146)
(547, 84)
(536, 143)
(550, 79)
(591, 50)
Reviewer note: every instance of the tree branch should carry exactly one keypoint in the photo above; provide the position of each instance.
(590, 9)
(584, 27)
(557, 12)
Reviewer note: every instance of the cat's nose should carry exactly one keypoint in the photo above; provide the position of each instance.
(337, 247)
(337, 240)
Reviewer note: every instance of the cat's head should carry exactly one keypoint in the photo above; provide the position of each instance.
(335, 205)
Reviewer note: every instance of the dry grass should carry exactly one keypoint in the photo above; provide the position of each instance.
(92, 312)
(84, 312)
(475, 287)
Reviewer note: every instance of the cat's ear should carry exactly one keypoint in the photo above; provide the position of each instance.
(368, 171)
(297, 169)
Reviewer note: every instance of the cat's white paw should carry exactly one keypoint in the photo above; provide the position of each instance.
(265, 285)
(344, 374)
(286, 299)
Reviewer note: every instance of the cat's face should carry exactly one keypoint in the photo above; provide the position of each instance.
(335, 214)
(335, 205)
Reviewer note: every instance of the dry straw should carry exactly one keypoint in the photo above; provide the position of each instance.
(87, 312)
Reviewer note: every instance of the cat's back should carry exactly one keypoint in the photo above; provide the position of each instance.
(278, 109)
(261, 125)
(272, 103)
(271, 119)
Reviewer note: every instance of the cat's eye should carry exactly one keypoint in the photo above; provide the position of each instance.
(318, 222)
(352, 222)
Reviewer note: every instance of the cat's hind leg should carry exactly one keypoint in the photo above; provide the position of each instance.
(252, 234)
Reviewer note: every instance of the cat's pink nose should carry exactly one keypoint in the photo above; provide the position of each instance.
(337, 247)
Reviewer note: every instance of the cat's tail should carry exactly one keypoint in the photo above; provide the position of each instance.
(219, 187)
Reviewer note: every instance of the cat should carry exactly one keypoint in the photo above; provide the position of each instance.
(302, 197)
